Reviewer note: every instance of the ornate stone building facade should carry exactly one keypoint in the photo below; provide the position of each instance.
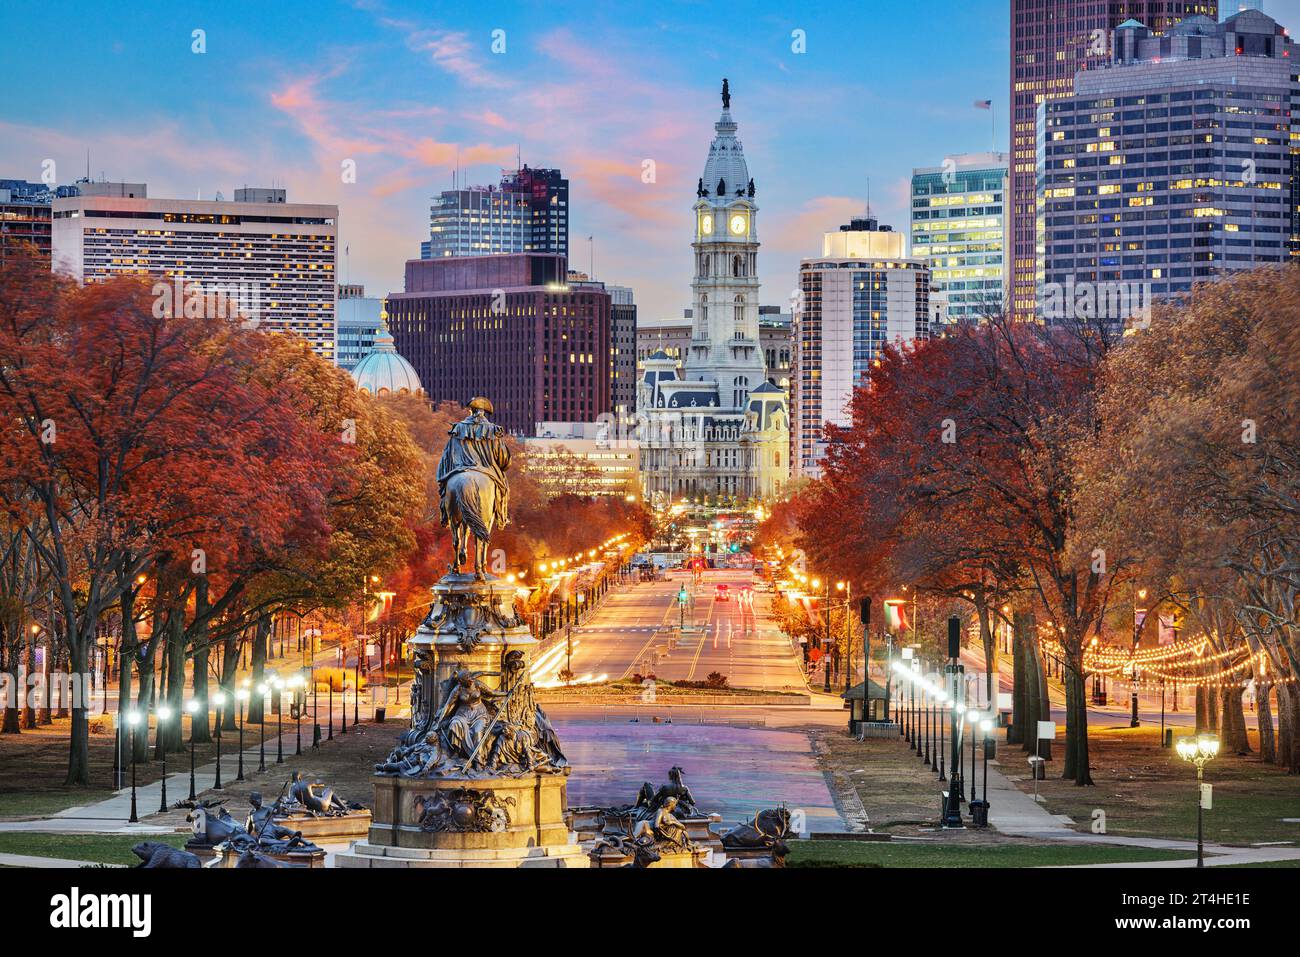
(718, 430)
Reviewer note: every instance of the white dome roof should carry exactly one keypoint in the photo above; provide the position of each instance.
(382, 370)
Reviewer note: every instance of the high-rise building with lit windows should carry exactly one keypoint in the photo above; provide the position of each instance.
(510, 328)
(863, 292)
(958, 227)
(527, 213)
(1169, 166)
(274, 261)
(1051, 42)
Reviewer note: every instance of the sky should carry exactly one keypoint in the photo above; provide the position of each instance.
(287, 93)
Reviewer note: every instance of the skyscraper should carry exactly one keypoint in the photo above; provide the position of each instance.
(1052, 41)
(958, 227)
(719, 430)
(510, 328)
(275, 261)
(861, 293)
(527, 213)
(1170, 165)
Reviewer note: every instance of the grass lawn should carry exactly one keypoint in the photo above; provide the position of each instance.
(25, 804)
(900, 854)
(99, 848)
(1146, 790)
(1268, 864)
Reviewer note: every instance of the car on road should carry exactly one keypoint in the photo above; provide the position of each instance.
(722, 593)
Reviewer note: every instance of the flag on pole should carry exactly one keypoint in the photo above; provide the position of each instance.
(983, 104)
(896, 614)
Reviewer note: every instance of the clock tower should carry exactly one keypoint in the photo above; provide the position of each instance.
(719, 432)
(724, 338)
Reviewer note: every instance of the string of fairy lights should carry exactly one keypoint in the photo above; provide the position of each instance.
(1189, 663)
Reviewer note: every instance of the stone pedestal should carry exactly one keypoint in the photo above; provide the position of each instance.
(310, 859)
(460, 812)
(331, 830)
(609, 857)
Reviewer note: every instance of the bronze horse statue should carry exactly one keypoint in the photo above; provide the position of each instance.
(474, 493)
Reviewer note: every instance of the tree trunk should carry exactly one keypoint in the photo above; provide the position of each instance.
(1235, 736)
(1288, 711)
(1201, 706)
(200, 729)
(79, 738)
(1019, 683)
(1043, 707)
(29, 712)
(1264, 715)
(172, 736)
(144, 705)
(229, 672)
(260, 637)
(1212, 709)
(990, 655)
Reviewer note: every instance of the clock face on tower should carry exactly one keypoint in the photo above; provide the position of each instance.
(706, 224)
(738, 224)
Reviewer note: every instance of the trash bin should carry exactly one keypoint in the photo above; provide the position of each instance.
(1169, 737)
(1037, 768)
(380, 714)
(991, 748)
(979, 813)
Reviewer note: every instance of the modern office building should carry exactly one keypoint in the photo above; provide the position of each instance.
(584, 458)
(528, 212)
(25, 210)
(274, 261)
(1171, 165)
(510, 328)
(622, 342)
(774, 328)
(861, 293)
(958, 226)
(1051, 42)
(717, 430)
(358, 319)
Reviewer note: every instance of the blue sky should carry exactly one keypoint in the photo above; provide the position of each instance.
(286, 92)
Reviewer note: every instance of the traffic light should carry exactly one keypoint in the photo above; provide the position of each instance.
(865, 605)
(735, 547)
(681, 595)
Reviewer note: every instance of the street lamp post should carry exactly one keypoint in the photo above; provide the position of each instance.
(133, 718)
(973, 718)
(278, 684)
(925, 723)
(1199, 750)
(220, 700)
(242, 695)
(262, 690)
(300, 700)
(163, 713)
(192, 706)
(1141, 594)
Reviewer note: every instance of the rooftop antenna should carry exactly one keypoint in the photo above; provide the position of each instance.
(868, 197)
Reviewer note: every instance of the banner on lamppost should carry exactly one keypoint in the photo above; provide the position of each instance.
(896, 614)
